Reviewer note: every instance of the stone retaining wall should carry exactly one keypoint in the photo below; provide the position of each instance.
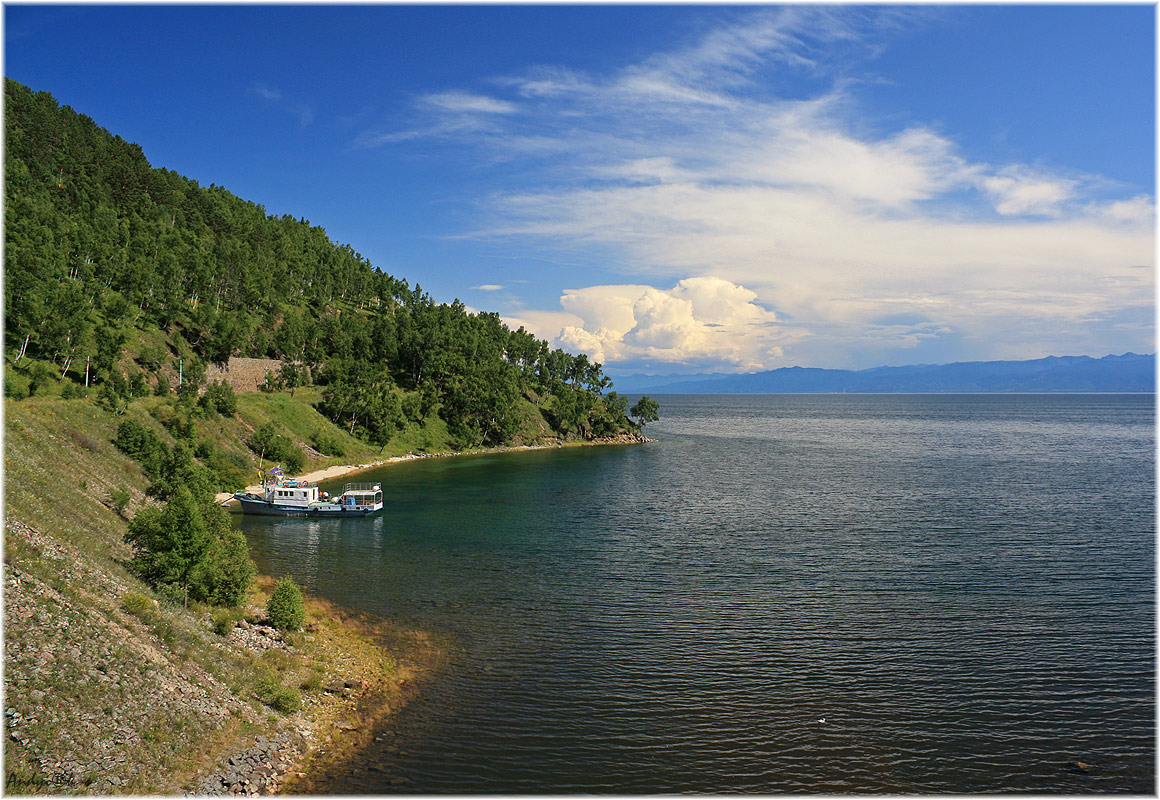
(243, 374)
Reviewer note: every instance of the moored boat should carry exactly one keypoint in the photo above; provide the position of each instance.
(287, 497)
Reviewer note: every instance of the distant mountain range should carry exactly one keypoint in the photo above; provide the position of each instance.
(1126, 373)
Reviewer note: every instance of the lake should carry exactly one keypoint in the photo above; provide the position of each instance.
(782, 593)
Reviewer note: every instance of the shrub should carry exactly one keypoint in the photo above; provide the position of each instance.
(219, 396)
(271, 692)
(83, 440)
(327, 444)
(227, 572)
(73, 390)
(136, 604)
(15, 385)
(286, 609)
(273, 383)
(40, 376)
(223, 621)
(272, 446)
(138, 386)
(119, 500)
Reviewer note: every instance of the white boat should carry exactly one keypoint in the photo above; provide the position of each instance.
(287, 497)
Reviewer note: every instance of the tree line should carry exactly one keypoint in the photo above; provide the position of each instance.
(101, 246)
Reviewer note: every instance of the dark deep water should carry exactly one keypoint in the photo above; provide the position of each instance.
(962, 587)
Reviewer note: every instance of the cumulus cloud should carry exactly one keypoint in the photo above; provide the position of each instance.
(687, 170)
(701, 320)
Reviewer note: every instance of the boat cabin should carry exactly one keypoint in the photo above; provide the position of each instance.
(361, 495)
(292, 493)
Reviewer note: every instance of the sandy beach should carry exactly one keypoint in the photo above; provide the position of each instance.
(226, 498)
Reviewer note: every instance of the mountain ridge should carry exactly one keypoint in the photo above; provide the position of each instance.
(1128, 372)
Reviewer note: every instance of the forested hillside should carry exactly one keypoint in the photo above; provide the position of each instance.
(122, 280)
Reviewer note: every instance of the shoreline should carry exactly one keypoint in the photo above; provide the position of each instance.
(226, 499)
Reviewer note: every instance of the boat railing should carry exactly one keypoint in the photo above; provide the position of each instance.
(360, 487)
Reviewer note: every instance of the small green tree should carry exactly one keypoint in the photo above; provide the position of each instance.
(119, 500)
(72, 390)
(41, 377)
(226, 573)
(291, 376)
(645, 410)
(169, 544)
(286, 609)
(191, 545)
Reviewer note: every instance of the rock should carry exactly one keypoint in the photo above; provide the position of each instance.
(346, 726)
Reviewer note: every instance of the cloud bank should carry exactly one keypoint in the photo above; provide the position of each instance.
(787, 231)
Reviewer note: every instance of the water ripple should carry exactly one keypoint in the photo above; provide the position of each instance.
(783, 594)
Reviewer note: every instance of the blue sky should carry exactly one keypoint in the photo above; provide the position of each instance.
(674, 188)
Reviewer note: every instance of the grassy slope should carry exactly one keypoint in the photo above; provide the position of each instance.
(64, 585)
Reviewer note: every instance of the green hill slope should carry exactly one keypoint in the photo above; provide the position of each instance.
(123, 279)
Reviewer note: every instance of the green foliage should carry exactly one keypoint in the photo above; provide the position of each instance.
(40, 377)
(136, 604)
(271, 692)
(645, 410)
(291, 376)
(327, 444)
(224, 620)
(219, 398)
(608, 417)
(119, 500)
(271, 446)
(227, 470)
(73, 391)
(190, 547)
(101, 249)
(143, 445)
(286, 610)
(169, 544)
(227, 572)
(16, 385)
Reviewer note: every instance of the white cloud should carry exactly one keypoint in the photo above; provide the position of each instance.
(1140, 211)
(488, 287)
(687, 170)
(700, 320)
(1018, 191)
(465, 102)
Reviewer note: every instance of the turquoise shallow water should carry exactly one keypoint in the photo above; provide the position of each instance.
(961, 587)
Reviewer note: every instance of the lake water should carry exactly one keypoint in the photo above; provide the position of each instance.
(783, 593)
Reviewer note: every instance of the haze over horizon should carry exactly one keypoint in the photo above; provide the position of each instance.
(674, 189)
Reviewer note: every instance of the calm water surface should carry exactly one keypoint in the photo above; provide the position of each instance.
(961, 587)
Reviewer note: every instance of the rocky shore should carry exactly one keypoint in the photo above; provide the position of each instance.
(99, 700)
(257, 770)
